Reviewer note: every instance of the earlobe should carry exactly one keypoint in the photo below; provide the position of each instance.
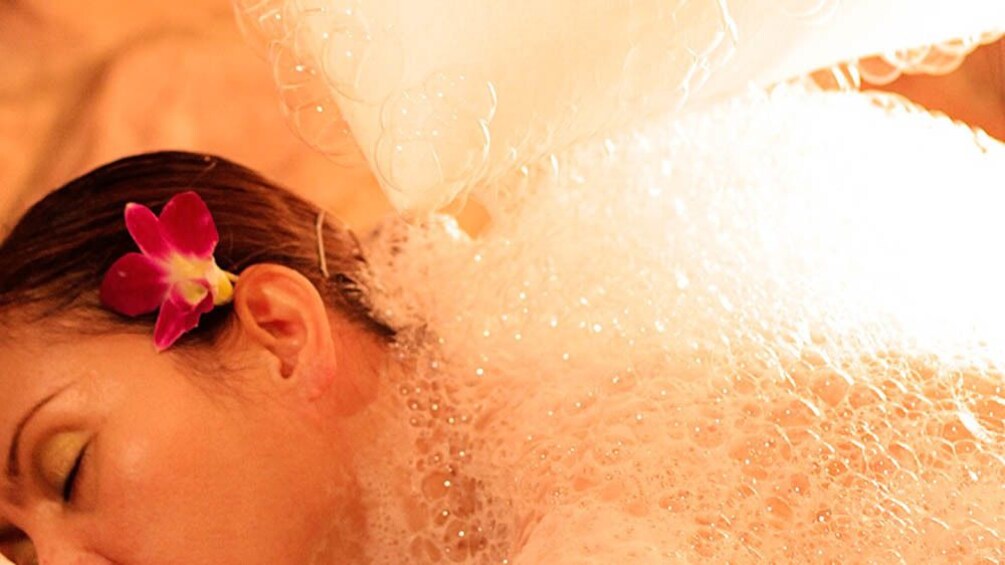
(281, 311)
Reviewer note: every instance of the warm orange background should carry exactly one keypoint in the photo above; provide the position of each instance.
(86, 81)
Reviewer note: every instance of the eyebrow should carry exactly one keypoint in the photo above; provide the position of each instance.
(13, 467)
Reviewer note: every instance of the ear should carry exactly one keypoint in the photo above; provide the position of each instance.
(280, 310)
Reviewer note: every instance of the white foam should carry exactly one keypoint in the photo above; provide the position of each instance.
(769, 331)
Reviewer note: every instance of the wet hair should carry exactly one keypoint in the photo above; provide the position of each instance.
(54, 259)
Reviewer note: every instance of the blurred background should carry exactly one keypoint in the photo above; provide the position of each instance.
(84, 82)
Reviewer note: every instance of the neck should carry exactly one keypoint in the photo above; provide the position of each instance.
(362, 361)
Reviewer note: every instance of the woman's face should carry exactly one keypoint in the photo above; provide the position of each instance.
(119, 455)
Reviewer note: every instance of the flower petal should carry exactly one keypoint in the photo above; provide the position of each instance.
(178, 316)
(145, 228)
(188, 226)
(135, 285)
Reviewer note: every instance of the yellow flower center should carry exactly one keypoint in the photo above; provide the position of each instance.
(184, 271)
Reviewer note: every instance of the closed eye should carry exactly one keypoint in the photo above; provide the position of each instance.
(69, 484)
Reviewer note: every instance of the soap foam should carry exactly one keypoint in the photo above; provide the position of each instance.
(769, 331)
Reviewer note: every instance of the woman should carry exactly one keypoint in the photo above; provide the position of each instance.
(261, 445)
(726, 336)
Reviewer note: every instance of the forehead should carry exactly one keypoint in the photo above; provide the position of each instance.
(35, 363)
(38, 353)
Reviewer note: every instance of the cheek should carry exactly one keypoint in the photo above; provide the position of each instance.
(184, 476)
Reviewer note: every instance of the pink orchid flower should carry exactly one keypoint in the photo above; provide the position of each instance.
(175, 272)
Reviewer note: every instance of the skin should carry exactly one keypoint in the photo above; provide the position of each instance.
(304, 399)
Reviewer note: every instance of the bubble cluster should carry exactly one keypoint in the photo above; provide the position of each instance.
(322, 50)
(936, 59)
(435, 138)
(733, 337)
(423, 103)
(442, 105)
(326, 52)
(673, 55)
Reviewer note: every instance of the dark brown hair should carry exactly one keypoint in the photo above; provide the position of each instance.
(53, 261)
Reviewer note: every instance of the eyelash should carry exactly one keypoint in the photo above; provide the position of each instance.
(70, 483)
